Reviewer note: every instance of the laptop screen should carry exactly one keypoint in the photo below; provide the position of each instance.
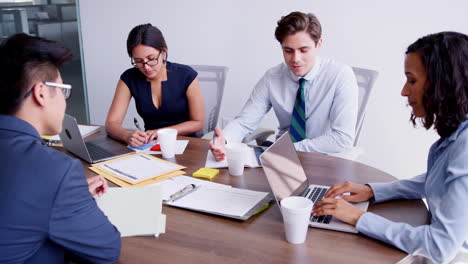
(283, 169)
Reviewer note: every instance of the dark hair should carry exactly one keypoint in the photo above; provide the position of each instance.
(147, 35)
(445, 59)
(297, 22)
(25, 60)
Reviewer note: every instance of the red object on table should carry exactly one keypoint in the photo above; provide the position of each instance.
(156, 147)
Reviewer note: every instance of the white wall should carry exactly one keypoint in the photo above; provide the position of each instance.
(239, 34)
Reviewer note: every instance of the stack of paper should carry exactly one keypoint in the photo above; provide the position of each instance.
(134, 211)
(138, 169)
(85, 131)
(214, 198)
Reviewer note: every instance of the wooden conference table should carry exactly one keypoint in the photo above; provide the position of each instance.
(193, 237)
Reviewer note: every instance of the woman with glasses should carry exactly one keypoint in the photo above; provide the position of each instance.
(436, 69)
(167, 94)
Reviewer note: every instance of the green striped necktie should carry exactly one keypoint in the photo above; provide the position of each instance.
(297, 130)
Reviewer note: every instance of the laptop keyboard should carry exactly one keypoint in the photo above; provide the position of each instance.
(96, 152)
(316, 196)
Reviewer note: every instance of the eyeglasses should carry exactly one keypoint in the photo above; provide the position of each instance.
(66, 89)
(150, 62)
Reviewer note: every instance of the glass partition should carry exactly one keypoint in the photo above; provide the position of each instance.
(55, 20)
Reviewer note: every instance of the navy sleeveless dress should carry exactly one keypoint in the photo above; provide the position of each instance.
(174, 107)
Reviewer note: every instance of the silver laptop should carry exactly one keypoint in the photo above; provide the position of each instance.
(92, 151)
(286, 177)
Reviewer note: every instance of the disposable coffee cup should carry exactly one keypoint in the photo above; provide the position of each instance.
(235, 155)
(296, 211)
(167, 140)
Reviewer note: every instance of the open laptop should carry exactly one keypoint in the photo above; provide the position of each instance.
(286, 177)
(92, 151)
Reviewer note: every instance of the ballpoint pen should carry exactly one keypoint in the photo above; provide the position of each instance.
(137, 124)
(186, 190)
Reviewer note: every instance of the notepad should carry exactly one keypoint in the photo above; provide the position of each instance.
(149, 148)
(206, 173)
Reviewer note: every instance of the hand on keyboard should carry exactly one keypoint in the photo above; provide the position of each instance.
(351, 192)
(339, 208)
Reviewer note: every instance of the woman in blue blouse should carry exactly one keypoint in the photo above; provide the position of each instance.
(436, 68)
(167, 95)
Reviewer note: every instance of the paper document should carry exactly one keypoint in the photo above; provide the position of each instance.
(137, 167)
(225, 201)
(214, 198)
(171, 186)
(84, 131)
(251, 160)
(134, 211)
(180, 147)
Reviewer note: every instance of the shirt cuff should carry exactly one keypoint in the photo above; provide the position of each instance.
(382, 191)
(369, 222)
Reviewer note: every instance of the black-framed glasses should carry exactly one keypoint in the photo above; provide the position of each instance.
(150, 62)
(66, 89)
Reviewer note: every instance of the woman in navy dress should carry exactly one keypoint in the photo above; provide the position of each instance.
(167, 95)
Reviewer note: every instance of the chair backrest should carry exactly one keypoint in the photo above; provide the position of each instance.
(212, 81)
(365, 80)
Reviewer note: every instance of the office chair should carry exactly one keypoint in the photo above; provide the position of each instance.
(212, 81)
(365, 79)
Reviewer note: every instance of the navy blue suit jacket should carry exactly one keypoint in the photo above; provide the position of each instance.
(47, 214)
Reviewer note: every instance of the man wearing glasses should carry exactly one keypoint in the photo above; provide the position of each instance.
(48, 214)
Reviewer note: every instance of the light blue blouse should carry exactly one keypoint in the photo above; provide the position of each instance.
(445, 186)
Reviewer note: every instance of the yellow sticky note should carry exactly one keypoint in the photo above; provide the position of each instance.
(206, 173)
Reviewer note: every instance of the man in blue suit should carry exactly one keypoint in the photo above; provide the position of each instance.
(47, 212)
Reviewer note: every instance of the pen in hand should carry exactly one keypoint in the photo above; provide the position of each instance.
(137, 124)
(135, 121)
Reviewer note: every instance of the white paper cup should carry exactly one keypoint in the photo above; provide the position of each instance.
(296, 213)
(235, 155)
(167, 140)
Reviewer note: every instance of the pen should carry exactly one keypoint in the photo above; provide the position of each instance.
(136, 124)
(214, 138)
(186, 190)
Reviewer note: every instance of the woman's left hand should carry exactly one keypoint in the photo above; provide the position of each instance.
(339, 208)
(152, 135)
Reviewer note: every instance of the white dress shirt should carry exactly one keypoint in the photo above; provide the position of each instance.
(331, 103)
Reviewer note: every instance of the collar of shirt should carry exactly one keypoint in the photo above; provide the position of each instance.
(310, 75)
(444, 142)
(11, 123)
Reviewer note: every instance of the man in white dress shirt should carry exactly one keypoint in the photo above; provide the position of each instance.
(318, 96)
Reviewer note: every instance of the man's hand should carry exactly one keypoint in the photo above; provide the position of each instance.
(217, 145)
(97, 185)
